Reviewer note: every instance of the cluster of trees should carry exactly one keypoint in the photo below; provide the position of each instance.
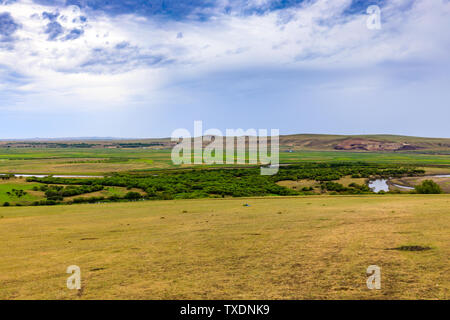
(130, 196)
(18, 193)
(201, 183)
(139, 144)
(56, 192)
(335, 171)
(109, 160)
(188, 184)
(49, 145)
(353, 188)
(428, 187)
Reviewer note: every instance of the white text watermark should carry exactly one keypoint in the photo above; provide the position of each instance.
(241, 147)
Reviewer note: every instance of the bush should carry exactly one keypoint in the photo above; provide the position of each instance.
(248, 182)
(428, 187)
(6, 204)
(132, 195)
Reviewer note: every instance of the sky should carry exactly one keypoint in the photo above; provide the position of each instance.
(106, 68)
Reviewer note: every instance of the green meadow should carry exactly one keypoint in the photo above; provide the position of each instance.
(7, 191)
(314, 246)
(97, 161)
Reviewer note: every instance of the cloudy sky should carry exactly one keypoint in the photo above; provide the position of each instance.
(139, 68)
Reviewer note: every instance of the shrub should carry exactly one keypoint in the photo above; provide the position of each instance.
(132, 195)
(428, 187)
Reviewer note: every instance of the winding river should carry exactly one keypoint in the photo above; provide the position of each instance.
(382, 184)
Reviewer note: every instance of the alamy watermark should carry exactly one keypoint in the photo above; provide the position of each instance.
(374, 279)
(241, 147)
(74, 281)
(374, 19)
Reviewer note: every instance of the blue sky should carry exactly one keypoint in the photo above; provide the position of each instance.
(145, 68)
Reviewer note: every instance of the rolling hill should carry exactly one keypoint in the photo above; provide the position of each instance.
(364, 142)
(316, 142)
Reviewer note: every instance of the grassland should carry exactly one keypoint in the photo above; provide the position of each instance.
(305, 247)
(100, 161)
(278, 248)
(373, 157)
(81, 161)
(31, 195)
(7, 194)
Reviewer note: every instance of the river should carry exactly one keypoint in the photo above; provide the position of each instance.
(382, 184)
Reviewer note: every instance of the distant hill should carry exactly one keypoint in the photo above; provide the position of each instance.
(317, 142)
(363, 142)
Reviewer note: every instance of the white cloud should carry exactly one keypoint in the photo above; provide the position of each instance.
(124, 59)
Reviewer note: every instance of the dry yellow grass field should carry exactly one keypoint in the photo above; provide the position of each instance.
(316, 247)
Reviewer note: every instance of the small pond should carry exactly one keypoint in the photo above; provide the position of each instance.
(379, 185)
